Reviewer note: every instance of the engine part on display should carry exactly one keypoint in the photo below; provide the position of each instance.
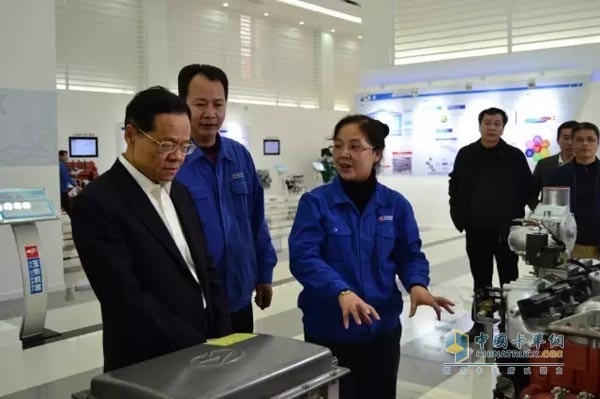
(488, 302)
(265, 177)
(595, 280)
(295, 184)
(559, 303)
(548, 232)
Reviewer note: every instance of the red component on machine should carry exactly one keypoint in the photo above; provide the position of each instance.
(580, 373)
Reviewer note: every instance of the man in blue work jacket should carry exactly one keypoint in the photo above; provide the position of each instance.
(66, 181)
(227, 193)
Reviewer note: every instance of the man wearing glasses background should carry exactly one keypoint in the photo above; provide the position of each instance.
(547, 167)
(141, 242)
(583, 177)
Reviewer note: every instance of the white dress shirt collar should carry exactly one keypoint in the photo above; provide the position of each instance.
(561, 161)
(145, 183)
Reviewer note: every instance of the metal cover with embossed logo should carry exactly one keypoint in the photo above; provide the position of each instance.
(261, 366)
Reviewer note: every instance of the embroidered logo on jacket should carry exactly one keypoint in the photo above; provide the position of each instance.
(238, 175)
(386, 218)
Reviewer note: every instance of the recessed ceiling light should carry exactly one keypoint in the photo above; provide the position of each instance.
(332, 31)
(301, 22)
(323, 10)
(359, 37)
(266, 14)
(225, 4)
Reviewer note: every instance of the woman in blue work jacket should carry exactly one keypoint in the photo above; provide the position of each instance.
(349, 241)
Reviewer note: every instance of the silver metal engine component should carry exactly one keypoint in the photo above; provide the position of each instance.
(552, 216)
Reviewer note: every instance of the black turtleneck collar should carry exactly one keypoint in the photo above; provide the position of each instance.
(591, 167)
(497, 147)
(360, 192)
(212, 151)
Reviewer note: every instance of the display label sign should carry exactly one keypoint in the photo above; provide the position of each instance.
(34, 266)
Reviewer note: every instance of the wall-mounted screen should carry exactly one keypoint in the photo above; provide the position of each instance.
(271, 147)
(83, 147)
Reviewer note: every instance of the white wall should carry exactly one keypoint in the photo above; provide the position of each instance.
(427, 195)
(99, 113)
(29, 63)
(303, 132)
(590, 112)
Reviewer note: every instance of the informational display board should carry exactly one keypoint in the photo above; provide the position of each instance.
(427, 128)
(28, 128)
(25, 205)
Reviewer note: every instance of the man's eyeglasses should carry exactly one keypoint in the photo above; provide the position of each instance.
(168, 147)
(589, 139)
(355, 148)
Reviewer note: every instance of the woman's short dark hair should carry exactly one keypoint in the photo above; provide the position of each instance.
(210, 72)
(146, 104)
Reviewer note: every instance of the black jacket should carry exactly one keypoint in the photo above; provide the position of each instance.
(542, 173)
(566, 176)
(151, 304)
(489, 187)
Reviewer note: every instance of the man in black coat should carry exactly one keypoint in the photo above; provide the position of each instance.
(546, 167)
(141, 242)
(489, 187)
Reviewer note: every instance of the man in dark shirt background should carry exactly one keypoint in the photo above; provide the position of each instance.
(582, 177)
(489, 187)
(545, 168)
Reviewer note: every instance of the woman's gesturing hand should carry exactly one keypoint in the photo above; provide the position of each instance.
(352, 304)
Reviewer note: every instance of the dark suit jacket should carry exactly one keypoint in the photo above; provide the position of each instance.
(543, 172)
(151, 304)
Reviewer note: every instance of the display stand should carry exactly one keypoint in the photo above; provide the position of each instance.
(319, 168)
(21, 209)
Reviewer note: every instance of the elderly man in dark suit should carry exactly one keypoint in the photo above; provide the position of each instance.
(545, 168)
(141, 242)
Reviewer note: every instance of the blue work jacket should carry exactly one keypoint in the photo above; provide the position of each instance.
(65, 177)
(333, 248)
(230, 201)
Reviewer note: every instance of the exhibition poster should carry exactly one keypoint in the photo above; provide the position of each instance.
(429, 127)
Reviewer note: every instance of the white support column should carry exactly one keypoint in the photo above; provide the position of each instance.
(327, 71)
(156, 54)
(378, 37)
